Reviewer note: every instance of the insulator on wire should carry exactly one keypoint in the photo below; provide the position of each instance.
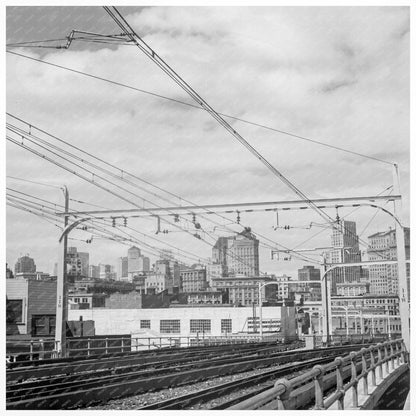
(238, 217)
(176, 218)
(114, 222)
(125, 221)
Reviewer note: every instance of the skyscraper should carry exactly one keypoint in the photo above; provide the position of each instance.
(25, 264)
(85, 262)
(136, 263)
(383, 277)
(345, 250)
(122, 268)
(239, 253)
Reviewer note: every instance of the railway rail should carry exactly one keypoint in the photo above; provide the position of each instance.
(79, 384)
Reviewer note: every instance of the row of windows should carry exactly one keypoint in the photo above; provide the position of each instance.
(81, 300)
(173, 326)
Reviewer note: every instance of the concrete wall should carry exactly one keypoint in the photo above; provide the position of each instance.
(127, 321)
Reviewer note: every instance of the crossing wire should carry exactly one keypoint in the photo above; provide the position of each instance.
(149, 52)
(263, 126)
(31, 137)
(30, 206)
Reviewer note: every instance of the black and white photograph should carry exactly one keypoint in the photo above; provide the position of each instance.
(207, 206)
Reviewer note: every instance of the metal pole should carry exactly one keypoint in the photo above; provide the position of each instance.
(346, 317)
(260, 313)
(401, 265)
(388, 326)
(61, 289)
(325, 302)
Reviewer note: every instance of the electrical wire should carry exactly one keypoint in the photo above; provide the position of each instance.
(260, 125)
(118, 169)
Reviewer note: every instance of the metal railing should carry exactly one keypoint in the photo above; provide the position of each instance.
(88, 346)
(341, 375)
(92, 346)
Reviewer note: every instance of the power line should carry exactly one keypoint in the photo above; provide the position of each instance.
(32, 137)
(263, 126)
(37, 183)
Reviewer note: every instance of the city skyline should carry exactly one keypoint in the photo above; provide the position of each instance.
(337, 89)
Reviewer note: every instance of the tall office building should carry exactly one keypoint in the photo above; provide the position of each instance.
(73, 264)
(85, 263)
(122, 268)
(308, 273)
(238, 254)
(94, 271)
(383, 277)
(345, 250)
(25, 264)
(136, 263)
(107, 271)
(219, 251)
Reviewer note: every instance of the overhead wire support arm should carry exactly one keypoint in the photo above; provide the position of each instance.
(147, 50)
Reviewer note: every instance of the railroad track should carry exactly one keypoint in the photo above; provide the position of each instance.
(69, 392)
(261, 382)
(107, 365)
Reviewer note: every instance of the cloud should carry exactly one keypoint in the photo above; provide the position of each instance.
(337, 74)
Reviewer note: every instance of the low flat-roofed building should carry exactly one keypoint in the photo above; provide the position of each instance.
(244, 291)
(206, 297)
(186, 321)
(353, 289)
(30, 307)
(84, 300)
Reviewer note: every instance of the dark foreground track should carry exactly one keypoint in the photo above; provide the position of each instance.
(82, 383)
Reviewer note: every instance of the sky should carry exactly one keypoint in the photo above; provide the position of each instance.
(338, 75)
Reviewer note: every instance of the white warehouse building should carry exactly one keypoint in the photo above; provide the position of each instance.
(188, 321)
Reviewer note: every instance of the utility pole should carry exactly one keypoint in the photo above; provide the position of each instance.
(327, 307)
(401, 264)
(61, 288)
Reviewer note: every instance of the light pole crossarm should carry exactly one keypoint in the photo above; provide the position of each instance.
(70, 227)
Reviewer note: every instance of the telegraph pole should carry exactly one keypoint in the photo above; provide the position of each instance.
(401, 263)
(61, 288)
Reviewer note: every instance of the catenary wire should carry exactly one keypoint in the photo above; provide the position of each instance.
(114, 167)
(263, 126)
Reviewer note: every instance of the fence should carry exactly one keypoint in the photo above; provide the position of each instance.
(89, 346)
(98, 345)
(358, 371)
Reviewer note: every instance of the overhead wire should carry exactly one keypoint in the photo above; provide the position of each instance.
(150, 53)
(156, 95)
(93, 224)
(20, 131)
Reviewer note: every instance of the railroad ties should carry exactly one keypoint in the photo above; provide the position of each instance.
(76, 383)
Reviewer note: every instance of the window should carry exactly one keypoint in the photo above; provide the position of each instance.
(226, 326)
(145, 323)
(14, 311)
(84, 300)
(170, 326)
(201, 325)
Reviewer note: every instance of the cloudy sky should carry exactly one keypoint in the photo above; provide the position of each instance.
(338, 75)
